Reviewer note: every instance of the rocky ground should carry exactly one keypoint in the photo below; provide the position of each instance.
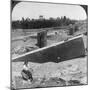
(72, 72)
(66, 73)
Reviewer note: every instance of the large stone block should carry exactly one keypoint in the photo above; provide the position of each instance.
(58, 52)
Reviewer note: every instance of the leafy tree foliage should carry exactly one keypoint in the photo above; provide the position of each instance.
(41, 23)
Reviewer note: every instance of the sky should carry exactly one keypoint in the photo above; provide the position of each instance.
(33, 10)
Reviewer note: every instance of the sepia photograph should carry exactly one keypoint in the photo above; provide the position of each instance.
(49, 44)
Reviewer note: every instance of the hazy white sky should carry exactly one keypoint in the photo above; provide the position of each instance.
(33, 10)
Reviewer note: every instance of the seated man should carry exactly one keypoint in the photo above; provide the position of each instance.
(26, 73)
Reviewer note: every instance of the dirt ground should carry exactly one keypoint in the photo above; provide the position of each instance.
(72, 72)
(66, 73)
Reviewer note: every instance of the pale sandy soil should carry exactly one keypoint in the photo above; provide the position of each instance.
(71, 72)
